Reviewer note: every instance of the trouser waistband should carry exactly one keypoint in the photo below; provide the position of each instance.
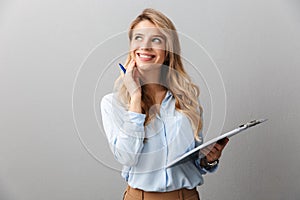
(181, 194)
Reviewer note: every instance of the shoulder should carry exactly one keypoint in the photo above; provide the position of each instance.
(110, 101)
(107, 101)
(107, 97)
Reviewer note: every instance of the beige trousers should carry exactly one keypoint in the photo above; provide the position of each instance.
(182, 194)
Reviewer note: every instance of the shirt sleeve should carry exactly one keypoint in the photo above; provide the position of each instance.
(198, 160)
(124, 130)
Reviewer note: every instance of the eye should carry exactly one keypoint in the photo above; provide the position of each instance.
(138, 38)
(157, 40)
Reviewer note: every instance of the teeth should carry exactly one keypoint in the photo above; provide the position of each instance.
(145, 56)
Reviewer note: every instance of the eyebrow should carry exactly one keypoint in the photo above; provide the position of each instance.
(156, 35)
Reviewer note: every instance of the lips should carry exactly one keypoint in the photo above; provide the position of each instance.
(145, 56)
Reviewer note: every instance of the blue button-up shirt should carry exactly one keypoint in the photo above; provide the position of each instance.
(168, 136)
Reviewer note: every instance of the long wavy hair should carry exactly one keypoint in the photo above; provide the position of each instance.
(173, 77)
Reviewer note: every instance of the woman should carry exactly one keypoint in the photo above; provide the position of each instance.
(155, 116)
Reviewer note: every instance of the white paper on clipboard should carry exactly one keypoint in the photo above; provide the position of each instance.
(193, 154)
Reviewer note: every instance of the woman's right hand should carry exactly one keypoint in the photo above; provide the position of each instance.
(132, 82)
(132, 79)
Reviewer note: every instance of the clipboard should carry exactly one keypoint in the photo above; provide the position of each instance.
(193, 154)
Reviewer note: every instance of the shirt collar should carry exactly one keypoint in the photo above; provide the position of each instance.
(167, 96)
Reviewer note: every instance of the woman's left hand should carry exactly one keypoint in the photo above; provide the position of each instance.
(214, 151)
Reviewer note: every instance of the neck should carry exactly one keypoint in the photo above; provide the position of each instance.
(157, 92)
(154, 88)
(150, 77)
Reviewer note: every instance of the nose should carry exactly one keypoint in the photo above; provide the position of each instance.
(146, 45)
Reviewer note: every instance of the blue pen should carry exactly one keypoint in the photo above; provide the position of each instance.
(122, 67)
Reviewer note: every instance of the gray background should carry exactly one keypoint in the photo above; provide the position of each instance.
(255, 44)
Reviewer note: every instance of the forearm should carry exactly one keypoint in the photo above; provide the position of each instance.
(136, 103)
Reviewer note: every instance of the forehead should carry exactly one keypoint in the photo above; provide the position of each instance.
(146, 27)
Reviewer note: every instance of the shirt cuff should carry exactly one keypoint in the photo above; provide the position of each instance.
(135, 117)
(134, 124)
(202, 169)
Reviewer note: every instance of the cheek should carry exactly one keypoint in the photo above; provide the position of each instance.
(161, 55)
(134, 46)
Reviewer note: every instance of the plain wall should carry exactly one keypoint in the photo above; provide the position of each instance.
(46, 154)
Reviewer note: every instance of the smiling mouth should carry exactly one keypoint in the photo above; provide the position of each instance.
(145, 57)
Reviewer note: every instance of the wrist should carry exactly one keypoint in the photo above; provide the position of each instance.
(208, 165)
(135, 104)
(136, 97)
